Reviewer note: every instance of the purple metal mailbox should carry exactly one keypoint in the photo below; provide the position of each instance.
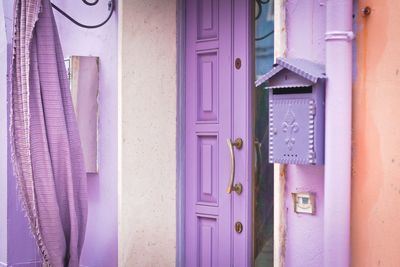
(296, 111)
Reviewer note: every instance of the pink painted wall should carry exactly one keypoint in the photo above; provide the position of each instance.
(375, 234)
(101, 245)
(305, 25)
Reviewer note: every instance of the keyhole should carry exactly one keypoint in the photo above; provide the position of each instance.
(238, 63)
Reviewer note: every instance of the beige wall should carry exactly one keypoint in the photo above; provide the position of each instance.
(147, 126)
(375, 217)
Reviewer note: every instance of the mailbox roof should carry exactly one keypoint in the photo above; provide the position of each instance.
(307, 69)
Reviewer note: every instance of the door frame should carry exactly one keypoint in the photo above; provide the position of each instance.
(280, 46)
(280, 50)
(180, 132)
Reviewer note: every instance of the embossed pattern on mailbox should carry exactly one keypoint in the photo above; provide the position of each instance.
(296, 111)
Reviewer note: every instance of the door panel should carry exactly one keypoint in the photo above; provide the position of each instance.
(208, 124)
(217, 109)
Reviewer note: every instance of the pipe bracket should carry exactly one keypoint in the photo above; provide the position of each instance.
(339, 35)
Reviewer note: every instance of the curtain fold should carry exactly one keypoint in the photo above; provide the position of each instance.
(46, 149)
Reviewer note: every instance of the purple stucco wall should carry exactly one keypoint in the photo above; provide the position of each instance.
(101, 246)
(21, 248)
(305, 21)
(3, 139)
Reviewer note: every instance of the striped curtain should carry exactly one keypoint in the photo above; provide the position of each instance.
(46, 148)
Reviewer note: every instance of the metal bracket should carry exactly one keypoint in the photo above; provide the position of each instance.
(339, 35)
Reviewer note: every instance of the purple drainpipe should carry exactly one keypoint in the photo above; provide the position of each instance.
(338, 38)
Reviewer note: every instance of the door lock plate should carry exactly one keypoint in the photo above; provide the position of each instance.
(238, 227)
(238, 188)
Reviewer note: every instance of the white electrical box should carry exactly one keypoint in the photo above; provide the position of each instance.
(304, 202)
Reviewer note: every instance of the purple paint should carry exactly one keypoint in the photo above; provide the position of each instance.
(243, 43)
(101, 244)
(307, 235)
(3, 138)
(208, 123)
(217, 108)
(338, 38)
(305, 23)
(304, 237)
(21, 247)
(296, 111)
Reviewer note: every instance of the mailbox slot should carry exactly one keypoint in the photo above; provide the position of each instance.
(292, 90)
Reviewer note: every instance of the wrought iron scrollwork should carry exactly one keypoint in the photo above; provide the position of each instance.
(111, 8)
(90, 3)
(260, 4)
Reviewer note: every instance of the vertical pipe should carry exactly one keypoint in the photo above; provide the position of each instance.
(338, 133)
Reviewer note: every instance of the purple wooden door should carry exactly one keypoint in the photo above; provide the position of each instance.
(217, 109)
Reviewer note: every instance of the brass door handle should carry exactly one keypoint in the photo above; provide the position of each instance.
(238, 188)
